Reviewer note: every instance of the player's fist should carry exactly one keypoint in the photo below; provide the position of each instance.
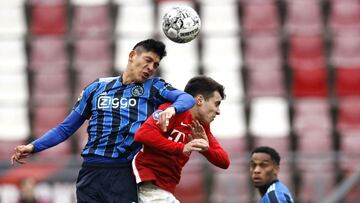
(199, 145)
(165, 116)
(21, 152)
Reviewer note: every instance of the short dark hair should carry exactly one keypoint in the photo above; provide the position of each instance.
(205, 86)
(270, 151)
(151, 45)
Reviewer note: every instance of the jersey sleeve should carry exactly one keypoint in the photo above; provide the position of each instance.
(151, 135)
(181, 101)
(60, 133)
(216, 154)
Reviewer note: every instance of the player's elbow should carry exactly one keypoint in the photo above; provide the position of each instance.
(226, 164)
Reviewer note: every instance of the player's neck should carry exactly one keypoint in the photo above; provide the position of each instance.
(126, 78)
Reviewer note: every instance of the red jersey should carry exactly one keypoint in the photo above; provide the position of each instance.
(161, 159)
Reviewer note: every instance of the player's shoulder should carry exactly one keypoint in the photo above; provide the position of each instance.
(279, 191)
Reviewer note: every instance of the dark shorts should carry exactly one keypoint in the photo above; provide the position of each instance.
(107, 184)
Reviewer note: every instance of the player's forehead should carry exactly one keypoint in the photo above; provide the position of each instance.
(149, 55)
(260, 157)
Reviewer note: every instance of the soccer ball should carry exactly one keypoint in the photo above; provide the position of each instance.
(181, 24)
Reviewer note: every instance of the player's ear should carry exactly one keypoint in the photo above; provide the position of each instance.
(132, 55)
(199, 99)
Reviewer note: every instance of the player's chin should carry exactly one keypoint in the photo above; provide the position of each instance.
(257, 182)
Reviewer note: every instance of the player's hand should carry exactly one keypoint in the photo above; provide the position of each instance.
(197, 131)
(199, 145)
(21, 153)
(165, 116)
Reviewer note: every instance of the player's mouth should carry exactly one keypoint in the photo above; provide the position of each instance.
(256, 179)
(146, 75)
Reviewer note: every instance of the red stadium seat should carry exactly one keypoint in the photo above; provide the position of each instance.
(49, 88)
(303, 17)
(347, 81)
(345, 50)
(47, 117)
(236, 147)
(231, 185)
(312, 125)
(48, 18)
(93, 55)
(307, 52)
(309, 82)
(281, 144)
(48, 53)
(317, 180)
(192, 186)
(263, 51)
(260, 17)
(348, 125)
(344, 16)
(92, 21)
(265, 82)
(269, 118)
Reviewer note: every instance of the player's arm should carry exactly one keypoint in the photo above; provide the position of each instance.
(60, 133)
(216, 154)
(53, 137)
(81, 111)
(151, 135)
(181, 102)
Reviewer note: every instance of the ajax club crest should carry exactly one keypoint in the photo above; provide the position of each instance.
(137, 91)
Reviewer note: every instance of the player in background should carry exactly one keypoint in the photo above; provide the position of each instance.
(115, 108)
(264, 168)
(157, 167)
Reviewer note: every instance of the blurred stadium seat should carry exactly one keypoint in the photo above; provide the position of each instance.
(221, 53)
(231, 185)
(235, 127)
(12, 55)
(303, 17)
(192, 186)
(344, 16)
(16, 27)
(312, 125)
(43, 86)
(263, 51)
(93, 55)
(309, 82)
(345, 50)
(92, 21)
(306, 51)
(317, 178)
(48, 54)
(48, 17)
(260, 16)
(269, 117)
(265, 82)
(128, 20)
(212, 15)
(347, 81)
